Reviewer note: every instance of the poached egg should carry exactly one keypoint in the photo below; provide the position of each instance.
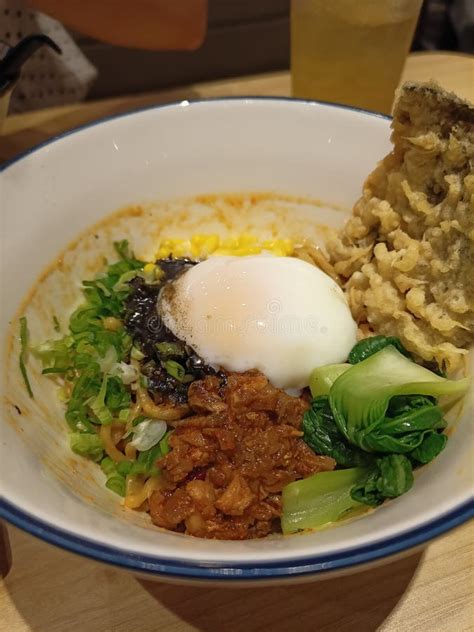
(279, 315)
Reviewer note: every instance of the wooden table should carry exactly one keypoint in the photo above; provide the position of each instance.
(49, 590)
(453, 71)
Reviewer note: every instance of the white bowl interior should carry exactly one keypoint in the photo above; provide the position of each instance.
(51, 195)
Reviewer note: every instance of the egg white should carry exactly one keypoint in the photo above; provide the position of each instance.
(279, 315)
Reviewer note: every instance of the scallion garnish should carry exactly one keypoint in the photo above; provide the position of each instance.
(24, 353)
(175, 369)
(170, 348)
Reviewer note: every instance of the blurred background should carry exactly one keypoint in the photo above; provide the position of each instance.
(243, 37)
(249, 36)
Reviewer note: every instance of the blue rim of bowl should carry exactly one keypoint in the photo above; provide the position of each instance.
(180, 569)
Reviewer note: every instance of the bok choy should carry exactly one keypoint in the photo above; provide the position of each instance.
(379, 417)
(360, 398)
(325, 498)
(323, 436)
(319, 500)
(368, 346)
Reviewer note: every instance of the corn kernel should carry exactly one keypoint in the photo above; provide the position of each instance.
(202, 245)
(198, 240)
(210, 243)
(246, 251)
(230, 243)
(148, 268)
(179, 250)
(247, 240)
(195, 251)
(288, 246)
(222, 252)
(163, 252)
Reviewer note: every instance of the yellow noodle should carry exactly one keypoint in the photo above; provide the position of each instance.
(301, 253)
(134, 411)
(112, 324)
(130, 451)
(152, 484)
(105, 433)
(117, 432)
(66, 389)
(137, 491)
(134, 484)
(312, 254)
(166, 412)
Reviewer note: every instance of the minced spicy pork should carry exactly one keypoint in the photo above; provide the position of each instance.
(230, 461)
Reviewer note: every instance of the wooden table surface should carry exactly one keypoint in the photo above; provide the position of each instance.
(49, 590)
(453, 71)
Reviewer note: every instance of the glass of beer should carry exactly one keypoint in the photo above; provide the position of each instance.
(351, 51)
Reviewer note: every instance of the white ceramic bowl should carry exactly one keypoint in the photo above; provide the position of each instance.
(55, 191)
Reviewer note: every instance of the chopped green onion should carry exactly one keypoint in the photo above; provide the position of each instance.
(136, 354)
(54, 353)
(108, 360)
(146, 461)
(122, 249)
(55, 369)
(138, 419)
(175, 369)
(126, 372)
(170, 348)
(124, 467)
(122, 283)
(124, 414)
(116, 484)
(24, 353)
(140, 466)
(104, 289)
(164, 443)
(56, 324)
(98, 407)
(108, 466)
(87, 444)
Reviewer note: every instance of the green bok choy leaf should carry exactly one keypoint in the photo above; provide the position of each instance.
(324, 437)
(319, 500)
(328, 497)
(360, 399)
(368, 346)
(323, 377)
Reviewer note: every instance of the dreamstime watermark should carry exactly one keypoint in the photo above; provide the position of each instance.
(270, 322)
